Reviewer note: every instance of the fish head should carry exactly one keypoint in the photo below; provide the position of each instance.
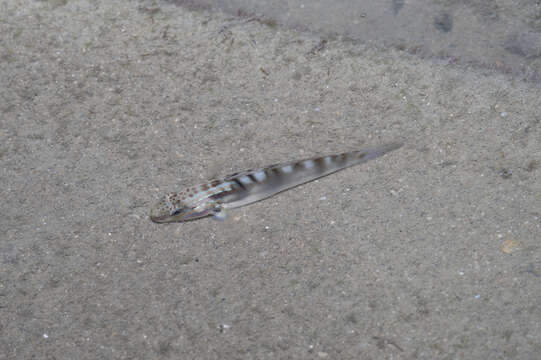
(171, 209)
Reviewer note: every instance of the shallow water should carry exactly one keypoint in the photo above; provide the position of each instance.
(500, 35)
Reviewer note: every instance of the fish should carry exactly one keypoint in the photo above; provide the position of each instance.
(213, 198)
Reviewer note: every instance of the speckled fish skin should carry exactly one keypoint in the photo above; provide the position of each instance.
(247, 187)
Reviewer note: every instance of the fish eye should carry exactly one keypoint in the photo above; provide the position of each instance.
(176, 212)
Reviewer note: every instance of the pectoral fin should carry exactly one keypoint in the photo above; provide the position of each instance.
(219, 214)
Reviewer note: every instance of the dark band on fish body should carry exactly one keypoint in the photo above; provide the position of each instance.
(276, 170)
(320, 162)
(239, 183)
(339, 158)
(252, 177)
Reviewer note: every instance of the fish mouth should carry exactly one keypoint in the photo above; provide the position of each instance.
(159, 218)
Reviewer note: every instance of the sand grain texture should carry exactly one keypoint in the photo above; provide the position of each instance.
(105, 106)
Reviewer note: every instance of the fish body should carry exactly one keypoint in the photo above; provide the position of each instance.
(247, 187)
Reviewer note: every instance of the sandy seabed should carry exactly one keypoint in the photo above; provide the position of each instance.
(431, 252)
